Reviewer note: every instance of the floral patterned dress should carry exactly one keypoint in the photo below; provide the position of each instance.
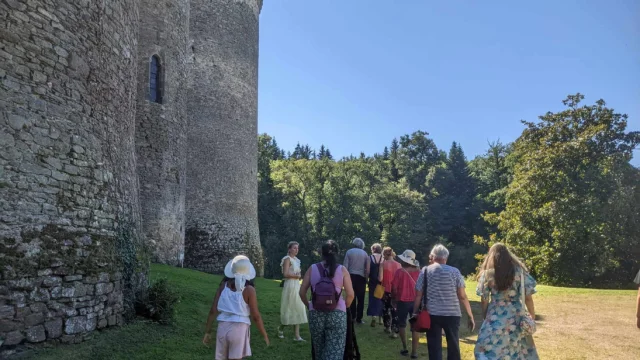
(500, 336)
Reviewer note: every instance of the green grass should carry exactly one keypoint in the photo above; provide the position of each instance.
(572, 325)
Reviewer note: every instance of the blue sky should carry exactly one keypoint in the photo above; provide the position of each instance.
(354, 74)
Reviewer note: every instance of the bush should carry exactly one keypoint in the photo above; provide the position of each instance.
(159, 302)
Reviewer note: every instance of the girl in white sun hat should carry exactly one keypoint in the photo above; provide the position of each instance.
(235, 306)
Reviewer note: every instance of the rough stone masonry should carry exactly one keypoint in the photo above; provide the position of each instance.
(96, 179)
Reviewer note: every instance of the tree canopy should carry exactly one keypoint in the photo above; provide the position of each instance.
(563, 196)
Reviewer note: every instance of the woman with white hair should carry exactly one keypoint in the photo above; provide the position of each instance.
(357, 262)
(235, 306)
(445, 292)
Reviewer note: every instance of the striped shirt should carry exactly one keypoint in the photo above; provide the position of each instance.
(442, 289)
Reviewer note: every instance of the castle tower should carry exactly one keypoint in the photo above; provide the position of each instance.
(69, 216)
(161, 124)
(221, 200)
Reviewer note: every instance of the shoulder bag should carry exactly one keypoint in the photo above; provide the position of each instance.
(423, 320)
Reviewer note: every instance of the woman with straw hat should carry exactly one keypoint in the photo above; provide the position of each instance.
(235, 306)
(403, 294)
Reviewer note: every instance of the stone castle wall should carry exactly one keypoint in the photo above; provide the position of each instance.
(161, 127)
(69, 216)
(221, 199)
(92, 174)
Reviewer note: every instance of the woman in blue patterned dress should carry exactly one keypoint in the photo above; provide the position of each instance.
(501, 336)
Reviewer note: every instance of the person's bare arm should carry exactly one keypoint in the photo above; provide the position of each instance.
(485, 306)
(417, 301)
(462, 296)
(286, 267)
(348, 287)
(528, 300)
(367, 267)
(213, 312)
(306, 282)
(250, 293)
(380, 269)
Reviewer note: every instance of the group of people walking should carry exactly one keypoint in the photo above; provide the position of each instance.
(398, 291)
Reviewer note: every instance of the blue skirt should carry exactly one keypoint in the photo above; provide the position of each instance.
(376, 306)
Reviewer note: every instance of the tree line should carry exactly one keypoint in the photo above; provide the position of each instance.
(563, 195)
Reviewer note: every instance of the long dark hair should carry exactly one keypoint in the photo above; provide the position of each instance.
(226, 279)
(500, 266)
(329, 253)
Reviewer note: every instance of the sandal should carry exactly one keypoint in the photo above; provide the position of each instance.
(414, 356)
(299, 339)
(281, 334)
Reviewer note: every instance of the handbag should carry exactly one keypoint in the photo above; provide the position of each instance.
(378, 293)
(527, 324)
(423, 320)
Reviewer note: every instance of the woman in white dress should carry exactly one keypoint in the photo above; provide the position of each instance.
(292, 310)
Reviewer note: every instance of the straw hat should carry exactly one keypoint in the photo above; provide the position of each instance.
(409, 257)
(240, 269)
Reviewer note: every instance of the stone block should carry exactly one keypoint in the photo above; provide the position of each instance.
(68, 291)
(8, 325)
(18, 298)
(54, 328)
(61, 270)
(39, 295)
(13, 338)
(103, 277)
(80, 289)
(56, 292)
(104, 288)
(34, 319)
(112, 320)
(75, 325)
(51, 281)
(17, 122)
(7, 311)
(102, 323)
(45, 272)
(22, 284)
(36, 334)
(38, 308)
(23, 312)
(72, 278)
(91, 323)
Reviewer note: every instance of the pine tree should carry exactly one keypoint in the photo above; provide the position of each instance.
(297, 152)
(322, 154)
(395, 146)
(385, 153)
(328, 155)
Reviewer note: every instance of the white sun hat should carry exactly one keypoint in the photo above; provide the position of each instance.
(240, 269)
(409, 257)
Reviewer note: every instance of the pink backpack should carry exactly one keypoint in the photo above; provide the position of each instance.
(324, 295)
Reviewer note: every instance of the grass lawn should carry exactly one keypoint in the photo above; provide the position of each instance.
(574, 324)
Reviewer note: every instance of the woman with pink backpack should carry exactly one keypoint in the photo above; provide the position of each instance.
(327, 308)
